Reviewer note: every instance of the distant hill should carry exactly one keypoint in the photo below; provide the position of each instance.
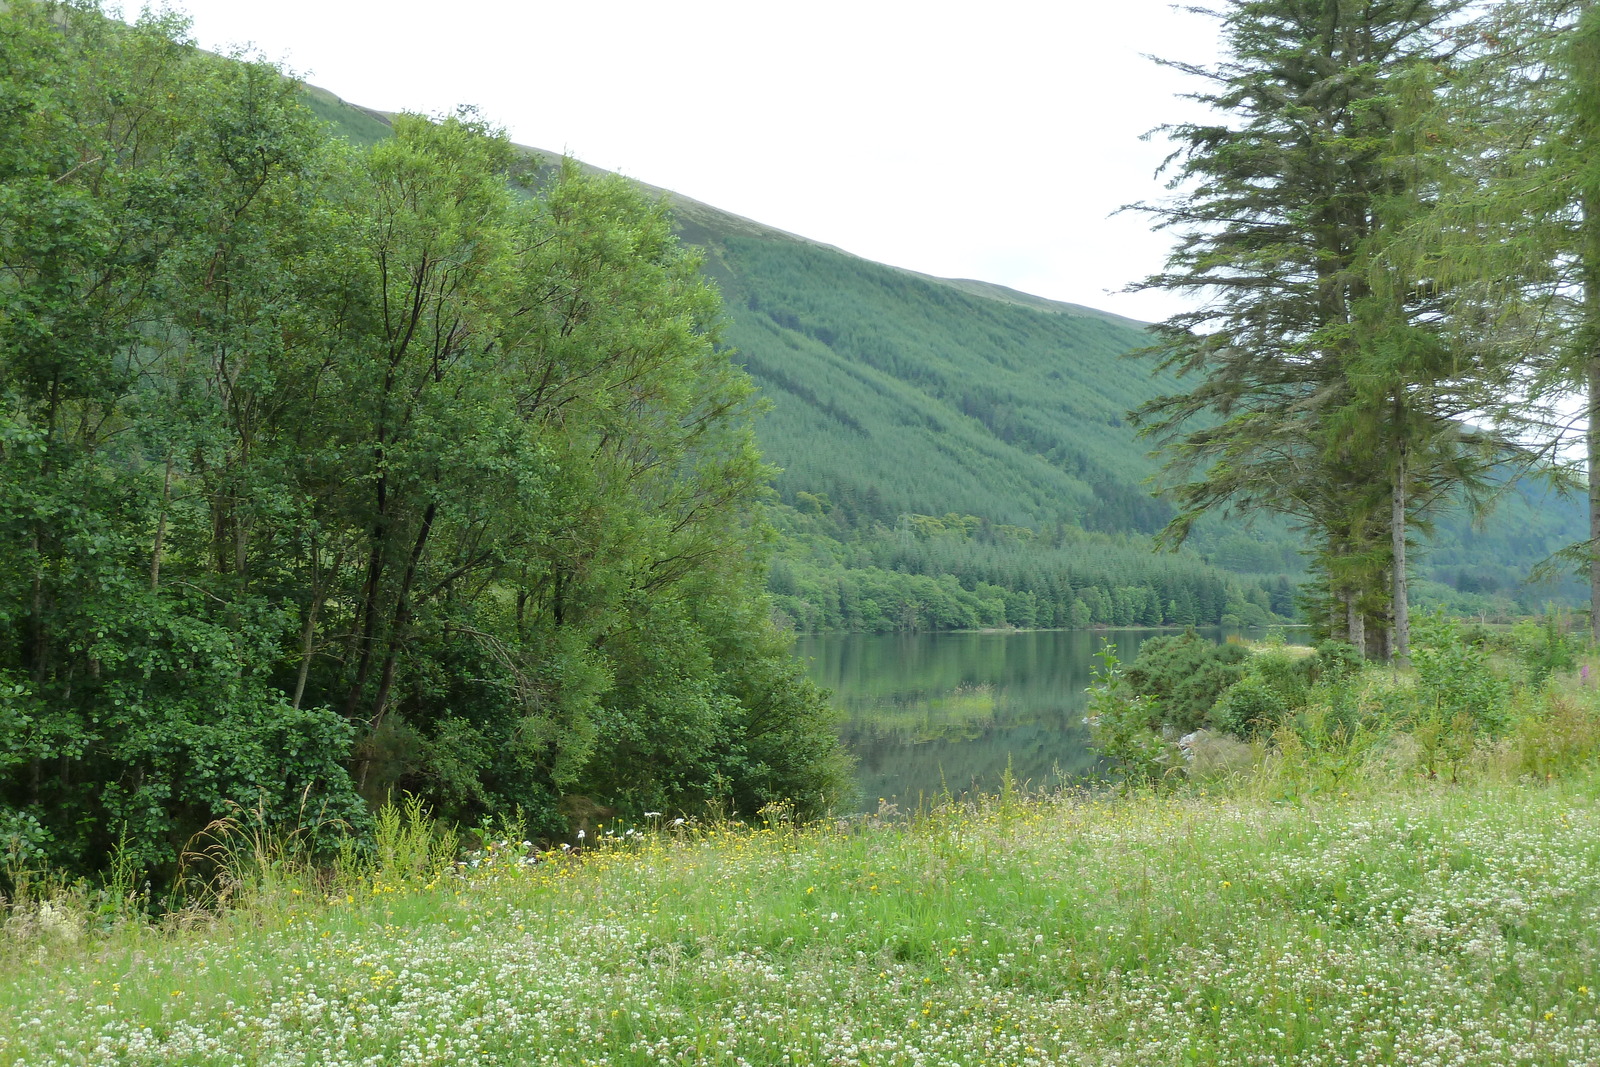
(895, 395)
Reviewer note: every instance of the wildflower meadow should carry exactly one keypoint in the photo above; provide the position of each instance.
(1439, 923)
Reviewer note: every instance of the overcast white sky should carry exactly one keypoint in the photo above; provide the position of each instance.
(983, 141)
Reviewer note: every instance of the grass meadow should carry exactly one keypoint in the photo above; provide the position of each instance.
(1424, 923)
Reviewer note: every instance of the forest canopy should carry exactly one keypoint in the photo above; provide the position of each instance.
(332, 471)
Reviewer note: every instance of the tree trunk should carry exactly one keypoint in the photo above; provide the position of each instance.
(319, 581)
(1592, 367)
(1355, 621)
(366, 632)
(1397, 521)
(402, 617)
(37, 641)
(1585, 68)
(308, 633)
(1591, 359)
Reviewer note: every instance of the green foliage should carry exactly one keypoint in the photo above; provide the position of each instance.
(408, 848)
(329, 472)
(1122, 721)
(1183, 675)
(1326, 720)
(962, 572)
(1320, 750)
(1455, 679)
(1459, 697)
(1285, 671)
(1547, 646)
(24, 851)
(1249, 707)
(898, 394)
(1335, 662)
(133, 706)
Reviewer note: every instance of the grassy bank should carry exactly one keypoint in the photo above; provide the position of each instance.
(1428, 924)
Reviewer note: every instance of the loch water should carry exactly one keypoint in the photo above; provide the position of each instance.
(926, 714)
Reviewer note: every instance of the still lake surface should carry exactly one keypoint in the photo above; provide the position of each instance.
(926, 712)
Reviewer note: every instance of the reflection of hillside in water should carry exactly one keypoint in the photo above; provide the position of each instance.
(925, 713)
(914, 718)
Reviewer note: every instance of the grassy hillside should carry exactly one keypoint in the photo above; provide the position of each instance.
(357, 124)
(896, 397)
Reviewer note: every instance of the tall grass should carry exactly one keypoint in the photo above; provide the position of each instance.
(1396, 871)
(1415, 922)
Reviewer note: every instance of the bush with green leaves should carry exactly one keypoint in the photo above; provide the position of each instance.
(1459, 698)
(1279, 682)
(1123, 723)
(1250, 707)
(1455, 678)
(1546, 646)
(1181, 676)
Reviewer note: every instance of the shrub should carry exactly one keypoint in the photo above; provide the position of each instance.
(1315, 753)
(1122, 723)
(1252, 706)
(1455, 679)
(1287, 674)
(1183, 675)
(1545, 647)
(1459, 699)
(1334, 662)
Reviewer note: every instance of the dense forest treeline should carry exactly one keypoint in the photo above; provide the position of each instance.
(915, 397)
(330, 470)
(962, 572)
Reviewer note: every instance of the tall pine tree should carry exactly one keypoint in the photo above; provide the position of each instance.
(1517, 232)
(1327, 392)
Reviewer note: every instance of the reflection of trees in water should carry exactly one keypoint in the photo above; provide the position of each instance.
(872, 667)
(926, 712)
(1040, 753)
(914, 718)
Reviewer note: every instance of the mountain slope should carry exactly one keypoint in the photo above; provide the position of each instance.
(894, 394)
(938, 399)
